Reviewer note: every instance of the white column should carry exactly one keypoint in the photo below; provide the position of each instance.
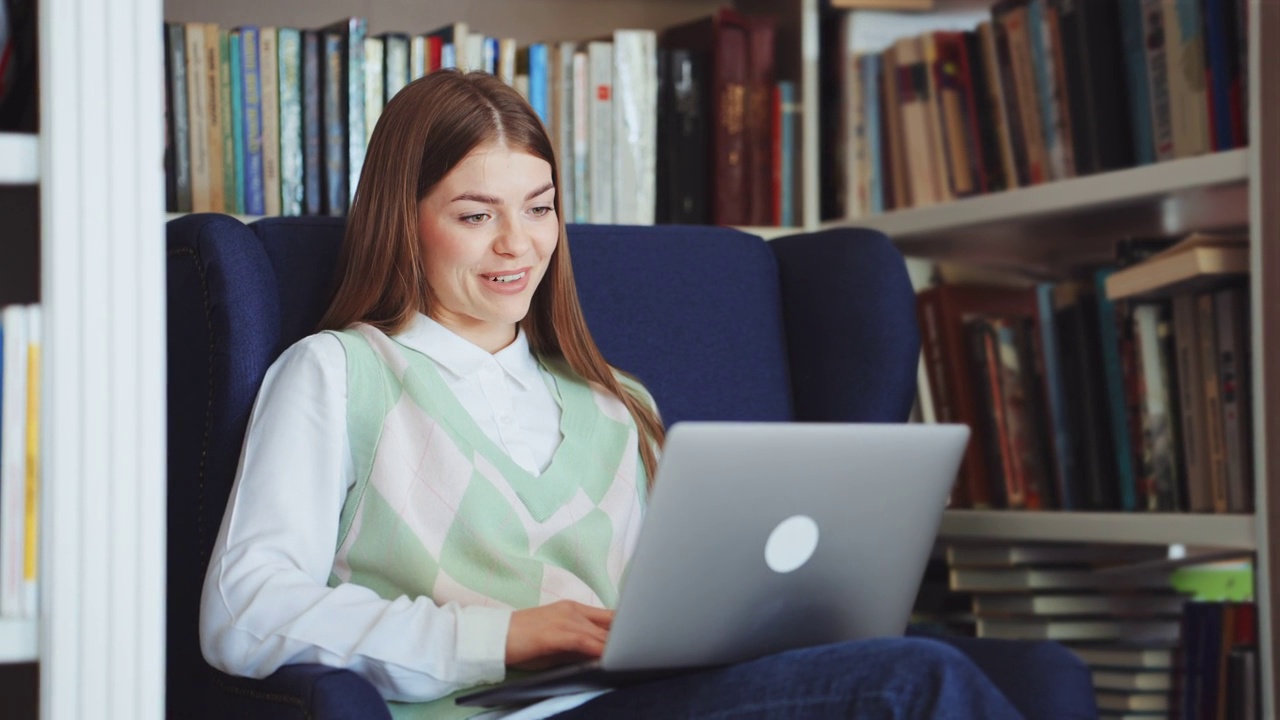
(102, 287)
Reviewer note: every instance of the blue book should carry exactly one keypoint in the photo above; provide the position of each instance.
(1119, 411)
(1218, 60)
(538, 82)
(237, 112)
(335, 126)
(251, 120)
(1055, 395)
(1135, 66)
(1045, 82)
(787, 98)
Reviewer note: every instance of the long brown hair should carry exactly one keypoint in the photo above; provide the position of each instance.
(425, 131)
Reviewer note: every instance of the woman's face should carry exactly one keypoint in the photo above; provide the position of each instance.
(487, 231)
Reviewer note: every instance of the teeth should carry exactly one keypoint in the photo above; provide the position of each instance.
(507, 278)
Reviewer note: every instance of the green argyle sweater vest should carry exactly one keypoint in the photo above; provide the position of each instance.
(438, 509)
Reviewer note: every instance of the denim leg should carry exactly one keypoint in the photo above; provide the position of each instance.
(884, 678)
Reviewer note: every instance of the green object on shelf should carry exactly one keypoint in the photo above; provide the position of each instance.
(1222, 581)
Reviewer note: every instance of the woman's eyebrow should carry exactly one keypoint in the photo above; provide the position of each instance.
(539, 191)
(493, 200)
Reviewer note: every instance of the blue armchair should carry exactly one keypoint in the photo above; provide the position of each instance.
(717, 323)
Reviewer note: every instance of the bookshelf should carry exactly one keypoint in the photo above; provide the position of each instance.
(1044, 228)
(19, 159)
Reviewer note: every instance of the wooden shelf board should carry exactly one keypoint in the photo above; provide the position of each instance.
(18, 641)
(1220, 531)
(1208, 192)
(19, 159)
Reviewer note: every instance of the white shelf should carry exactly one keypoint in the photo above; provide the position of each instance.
(19, 159)
(1163, 199)
(1218, 531)
(18, 641)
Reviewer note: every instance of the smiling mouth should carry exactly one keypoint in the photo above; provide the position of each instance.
(502, 279)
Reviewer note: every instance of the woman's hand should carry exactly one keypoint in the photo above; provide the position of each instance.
(556, 634)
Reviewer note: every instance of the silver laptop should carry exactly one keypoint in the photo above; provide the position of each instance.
(764, 537)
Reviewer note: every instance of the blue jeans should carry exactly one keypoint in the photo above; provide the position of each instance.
(888, 678)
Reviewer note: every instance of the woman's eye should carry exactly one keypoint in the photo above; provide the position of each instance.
(475, 219)
(541, 210)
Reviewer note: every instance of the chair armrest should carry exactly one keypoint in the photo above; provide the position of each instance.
(1044, 680)
(300, 692)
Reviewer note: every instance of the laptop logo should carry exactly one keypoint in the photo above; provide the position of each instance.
(791, 544)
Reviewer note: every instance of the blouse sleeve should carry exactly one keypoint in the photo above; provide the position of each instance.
(266, 601)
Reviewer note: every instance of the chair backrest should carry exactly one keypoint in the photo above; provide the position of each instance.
(718, 325)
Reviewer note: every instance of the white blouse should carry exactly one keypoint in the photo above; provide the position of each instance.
(266, 602)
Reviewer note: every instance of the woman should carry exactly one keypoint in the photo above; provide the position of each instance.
(448, 481)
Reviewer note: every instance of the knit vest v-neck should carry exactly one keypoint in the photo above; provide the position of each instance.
(439, 510)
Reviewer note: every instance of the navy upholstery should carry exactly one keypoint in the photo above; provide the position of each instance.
(717, 323)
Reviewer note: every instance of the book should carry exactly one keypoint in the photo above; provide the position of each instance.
(1012, 555)
(269, 79)
(1197, 260)
(292, 173)
(179, 128)
(1133, 702)
(634, 107)
(1134, 656)
(1124, 604)
(30, 598)
(974, 580)
(13, 459)
(1079, 630)
(1134, 681)
(251, 120)
(600, 136)
(1232, 324)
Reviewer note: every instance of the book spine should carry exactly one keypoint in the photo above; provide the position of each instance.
(1108, 326)
(1002, 170)
(1106, 113)
(1020, 52)
(538, 86)
(600, 61)
(197, 118)
(1037, 25)
(1020, 151)
(396, 68)
(563, 94)
(355, 62)
(336, 128)
(251, 104)
(1155, 40)
(237, 116)
(31, 496)
(1231, 307)
(634, 119)
(582, 198)
(313, 124)
(292, 192)
(1184, 55)
(374, 85)
(417, 57)
(728, 134)
(170, 159)
(760, 80)
(1160, 466)
(1135, 64)
(1209, 382)
(871, 103)
(1186, 338)
(268, 58)
(178, 96)
(1063, 455)
(230, 120)
(217, 112)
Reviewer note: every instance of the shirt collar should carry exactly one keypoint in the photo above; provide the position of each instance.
(464, 359)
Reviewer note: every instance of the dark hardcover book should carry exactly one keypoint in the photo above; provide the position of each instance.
(1101, 114)
(1019, 132)
(180, 139)
(1076, 316)
(19, 72)
(941, 312)
(759, 120)
(344, 111)
(1133, 44)
(313, 164)
(1109, 323)
(985, 121)
(251, 121)
(170, 159)
(954, 105)
(1231, 307)
(724, 38)
(1002, 482)
(683, 135)
(833, 176)
(237, 112)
